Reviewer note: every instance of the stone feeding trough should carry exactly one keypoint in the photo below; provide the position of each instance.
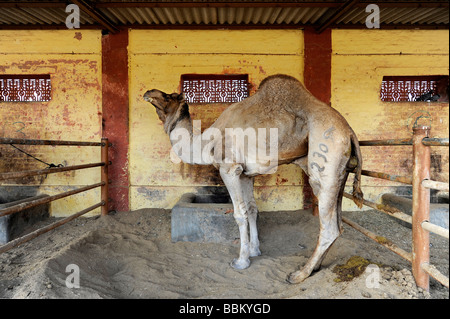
(204, 218)
(13, 225)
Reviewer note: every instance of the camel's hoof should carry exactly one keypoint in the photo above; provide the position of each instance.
(240, 264)
(297, 277)
(255, 252)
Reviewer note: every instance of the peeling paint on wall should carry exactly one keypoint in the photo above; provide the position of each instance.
(177, 52)
(73, 60)
(360, 60)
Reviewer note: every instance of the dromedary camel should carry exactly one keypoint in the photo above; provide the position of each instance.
(311, 134)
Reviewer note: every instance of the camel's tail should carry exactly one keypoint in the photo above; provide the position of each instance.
(357, 192)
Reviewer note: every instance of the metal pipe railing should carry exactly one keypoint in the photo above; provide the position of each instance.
(379, 239)
(35, 201)
(421, 227)
(427, 183)
(438, 230)
(15, 175)
(21, 141)
(389, 177)
(391, 211)
(433, 141)
(18, 241)
(428, 141)
(390, 142)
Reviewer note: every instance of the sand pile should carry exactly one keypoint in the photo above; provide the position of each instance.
(130, 255)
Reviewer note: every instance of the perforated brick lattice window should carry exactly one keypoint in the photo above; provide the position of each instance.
(214, 88)
(25, 88)
(414, 89)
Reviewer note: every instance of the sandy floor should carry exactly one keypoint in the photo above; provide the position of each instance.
(130, 255)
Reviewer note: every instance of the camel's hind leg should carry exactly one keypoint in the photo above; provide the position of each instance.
(327, 184)
(329, 232)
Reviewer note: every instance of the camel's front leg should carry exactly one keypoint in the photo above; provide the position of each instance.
(231, 176)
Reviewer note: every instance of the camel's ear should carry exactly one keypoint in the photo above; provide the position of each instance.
(181, 97)
(177, 97)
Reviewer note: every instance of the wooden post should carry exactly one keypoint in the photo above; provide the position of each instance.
(104, 175)
(420, 207)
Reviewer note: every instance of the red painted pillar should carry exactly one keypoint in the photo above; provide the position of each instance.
(115, 115)
(317, 73)
(317, 79)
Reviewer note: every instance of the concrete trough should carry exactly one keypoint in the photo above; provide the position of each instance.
(439, 212)
(12, 226)
(204, 218)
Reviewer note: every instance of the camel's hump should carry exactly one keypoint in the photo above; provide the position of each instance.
(278, 81)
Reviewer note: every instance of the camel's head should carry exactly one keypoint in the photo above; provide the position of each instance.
(167, 105)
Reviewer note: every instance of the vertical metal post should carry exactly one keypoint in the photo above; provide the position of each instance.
(420, 207)
(104, 176)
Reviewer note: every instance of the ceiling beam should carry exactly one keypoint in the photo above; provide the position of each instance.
(96, 15)
(259, 4)
(231, 4)
(223, 26)
(347, 6)
(213, 4)
(32, 4)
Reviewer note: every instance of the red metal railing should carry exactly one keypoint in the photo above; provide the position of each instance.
(34, 202)
(421, 183)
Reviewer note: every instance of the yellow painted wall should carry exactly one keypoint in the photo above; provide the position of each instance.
(360, 59)
(73, 60)
(157, 59)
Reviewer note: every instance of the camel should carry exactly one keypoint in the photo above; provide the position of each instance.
(311, 134)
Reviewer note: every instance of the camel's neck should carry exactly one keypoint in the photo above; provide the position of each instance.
(186, 139)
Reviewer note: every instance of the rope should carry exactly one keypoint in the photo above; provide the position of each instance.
(37, 159)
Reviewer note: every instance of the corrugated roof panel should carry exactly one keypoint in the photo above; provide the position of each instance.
(415, 15)
(50, 15)
(264, 12)
(346, 17)
(110, 15)
(177, 15)
(311, 14)
(360, 16)
(151, 15)
(12, 16)
(144, 16)
(118, 15)
(426, 16)
(391, 15)
(186, 16)
(442, 18)
(403, 17)
(7, 18)
(291, 15)
(318, 15)
(135, 15)
(298, 18)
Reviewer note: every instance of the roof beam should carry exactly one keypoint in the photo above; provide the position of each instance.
(182, 4)
(213, 4)
(347, 6)
(259, 4)
(32, 4)
(96, 15)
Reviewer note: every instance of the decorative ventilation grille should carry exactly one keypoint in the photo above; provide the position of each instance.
(411, 88)
(212, 88)
(24, 88)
